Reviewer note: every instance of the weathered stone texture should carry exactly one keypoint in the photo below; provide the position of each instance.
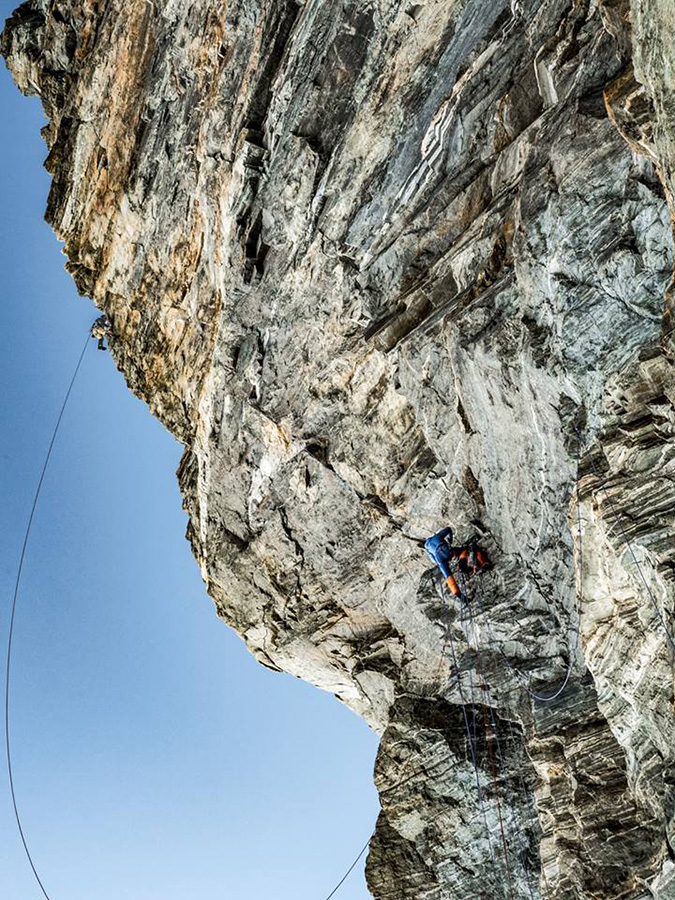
(382, 266)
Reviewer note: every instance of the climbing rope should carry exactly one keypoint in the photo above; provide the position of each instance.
(351, 868)
(488, 743)
(495, 732)
(473, 750)
(502, 764)
(17, 584)
(398, 784)
(519, 774)
(546, 699)
(541, 698)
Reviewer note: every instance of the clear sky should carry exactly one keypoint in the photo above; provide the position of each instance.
(154, 759)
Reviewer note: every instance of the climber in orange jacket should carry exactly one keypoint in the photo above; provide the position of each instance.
(470, 559)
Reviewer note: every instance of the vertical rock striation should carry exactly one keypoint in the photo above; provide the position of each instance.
(382, 266)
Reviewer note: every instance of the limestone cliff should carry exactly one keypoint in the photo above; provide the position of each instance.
(381, 266)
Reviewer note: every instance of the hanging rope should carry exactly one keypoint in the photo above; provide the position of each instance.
(473, 749)
(398, 784)
(488, 743)
(541, 698)
(17, 584)
(495, 732)
(350, 869)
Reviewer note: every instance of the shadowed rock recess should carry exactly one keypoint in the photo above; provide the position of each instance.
(374, 263)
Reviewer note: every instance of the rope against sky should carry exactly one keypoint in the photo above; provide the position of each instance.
(17, 584)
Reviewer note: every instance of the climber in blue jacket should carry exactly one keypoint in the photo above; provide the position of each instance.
(470, 559)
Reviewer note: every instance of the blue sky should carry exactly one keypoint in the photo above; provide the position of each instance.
(154, 759)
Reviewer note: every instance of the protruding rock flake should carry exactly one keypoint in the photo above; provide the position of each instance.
(383, 267)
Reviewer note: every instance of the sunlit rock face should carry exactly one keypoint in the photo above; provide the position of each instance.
(383, 266)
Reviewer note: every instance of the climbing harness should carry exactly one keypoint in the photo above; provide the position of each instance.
(17, 584)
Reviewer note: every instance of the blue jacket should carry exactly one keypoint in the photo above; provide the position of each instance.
(439, 551)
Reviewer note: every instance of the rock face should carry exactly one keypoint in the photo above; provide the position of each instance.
(381, 266)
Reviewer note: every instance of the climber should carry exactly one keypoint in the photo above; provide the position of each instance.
(101, 329)
(470, 558)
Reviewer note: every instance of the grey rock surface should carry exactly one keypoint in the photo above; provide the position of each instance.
(383, 266)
